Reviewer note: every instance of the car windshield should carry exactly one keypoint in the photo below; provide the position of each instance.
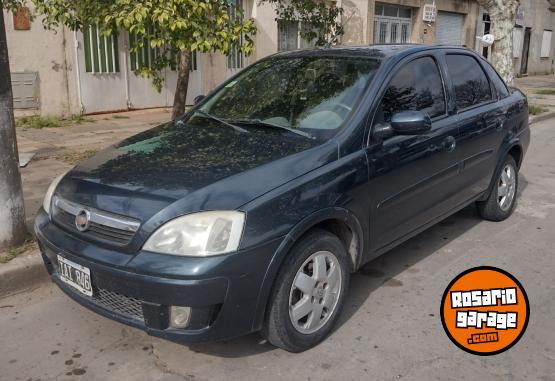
(312, 96)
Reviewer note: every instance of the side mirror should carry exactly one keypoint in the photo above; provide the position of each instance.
(198, 99)
(411, 123)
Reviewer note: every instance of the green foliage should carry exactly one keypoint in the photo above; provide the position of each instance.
(170, 26)
(546, 92)
(11, 253)
(536, 109)
(38, 122)
(175, 26)
(11, 5)
(321, 20)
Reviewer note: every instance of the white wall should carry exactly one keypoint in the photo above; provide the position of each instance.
(355, 22)
(44, 52)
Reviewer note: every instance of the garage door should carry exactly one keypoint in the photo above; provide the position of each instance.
(449, 28)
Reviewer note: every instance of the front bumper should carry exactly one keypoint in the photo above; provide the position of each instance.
(222, 291)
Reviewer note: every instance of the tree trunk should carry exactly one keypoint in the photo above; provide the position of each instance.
(502, 14)
(12, 211)
(183, 70)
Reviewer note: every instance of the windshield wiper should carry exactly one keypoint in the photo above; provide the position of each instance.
(236, 128)
(259, 122)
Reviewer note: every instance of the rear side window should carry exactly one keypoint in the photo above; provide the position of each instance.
(469, 81)
(416, 87)
(498, 83)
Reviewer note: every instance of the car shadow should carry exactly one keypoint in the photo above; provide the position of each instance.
(380, 272)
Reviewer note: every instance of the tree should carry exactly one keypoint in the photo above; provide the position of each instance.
(12, 210)
(320, 20)
(502, 14)
(173, 28)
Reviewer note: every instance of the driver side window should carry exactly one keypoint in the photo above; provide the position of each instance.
(416, 87)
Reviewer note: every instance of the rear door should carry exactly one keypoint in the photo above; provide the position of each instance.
(481, 119)
(411, 177)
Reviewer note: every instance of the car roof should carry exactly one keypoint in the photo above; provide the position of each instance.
(381, 51)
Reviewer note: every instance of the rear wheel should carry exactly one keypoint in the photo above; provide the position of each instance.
(309, 293)
(502, 199)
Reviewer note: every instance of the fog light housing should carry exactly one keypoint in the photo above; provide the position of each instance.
(180, 316)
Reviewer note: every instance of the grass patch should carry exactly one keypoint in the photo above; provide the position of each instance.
(38, 122)
(536, 110)
(29, 244)
(80, 119)
(74, 157)
(546, 92)
(120, 116)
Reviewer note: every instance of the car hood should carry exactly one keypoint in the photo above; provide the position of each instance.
(197, 167)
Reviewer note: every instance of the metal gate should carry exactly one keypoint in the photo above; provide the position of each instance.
(449, 28)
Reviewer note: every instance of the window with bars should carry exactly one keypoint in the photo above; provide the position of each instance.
(290, 36)
(141, 56)
(101, 52)
(392, 24)
(235, 58)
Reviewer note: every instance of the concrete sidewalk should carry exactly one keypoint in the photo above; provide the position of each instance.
(540, 91)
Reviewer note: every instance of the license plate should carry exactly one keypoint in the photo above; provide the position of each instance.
(77, 276)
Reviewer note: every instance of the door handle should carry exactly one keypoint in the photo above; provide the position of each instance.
(449, 143)
(501, 118)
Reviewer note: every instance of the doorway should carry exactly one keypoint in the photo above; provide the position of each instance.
(525, 51)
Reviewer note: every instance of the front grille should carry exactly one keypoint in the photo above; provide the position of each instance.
(103, 226)
(118, 303)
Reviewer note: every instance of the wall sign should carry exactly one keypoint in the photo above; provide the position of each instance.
(21, 19)
(429, 13)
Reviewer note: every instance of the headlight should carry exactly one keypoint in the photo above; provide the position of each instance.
(198, 234)
(50, 192)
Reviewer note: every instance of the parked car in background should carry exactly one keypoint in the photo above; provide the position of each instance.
(250, 212)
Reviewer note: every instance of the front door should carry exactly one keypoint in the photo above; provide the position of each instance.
(411, 176)
(525, 51)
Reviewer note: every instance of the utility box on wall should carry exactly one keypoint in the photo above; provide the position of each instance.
(25, 86)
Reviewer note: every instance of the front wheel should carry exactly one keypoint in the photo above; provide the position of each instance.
(309, 293)
(502, 199)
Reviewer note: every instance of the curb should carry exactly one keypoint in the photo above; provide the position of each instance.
(22, 273)
(541, 117)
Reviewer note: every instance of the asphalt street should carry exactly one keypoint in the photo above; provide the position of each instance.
(389, 330)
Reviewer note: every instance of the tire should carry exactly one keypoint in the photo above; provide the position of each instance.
(281, 326)
(500, 206)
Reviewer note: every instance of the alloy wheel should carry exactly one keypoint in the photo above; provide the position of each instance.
(506, 187)
(315, 292)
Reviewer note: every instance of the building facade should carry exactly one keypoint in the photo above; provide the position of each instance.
(65, 72)
(533, 42)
